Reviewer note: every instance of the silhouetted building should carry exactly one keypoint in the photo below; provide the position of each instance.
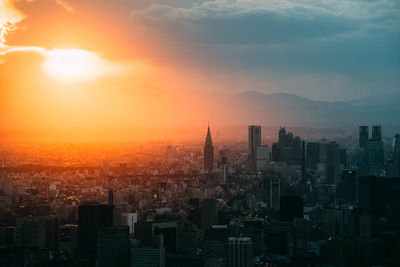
(7, 236)
(276, 152)
(262, 157)
(332, 223)
(272, 191)
(215, 240)
(69, 238)
(254, 141)
(254, 229)
(376, 133)
(110, 197)
(149, 254)
(40, 232)
(290, 207)
(393, 168)
(332, 163)
(289, 148)
(396, 147)
(312, 155)
(112, 246)
(209, 213)
(186, 260)
(363, 136)
(373, 155)
(347, 189)
(208, 152)
(92, 217)
(147, 231)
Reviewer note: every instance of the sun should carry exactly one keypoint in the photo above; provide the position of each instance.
(72, 65)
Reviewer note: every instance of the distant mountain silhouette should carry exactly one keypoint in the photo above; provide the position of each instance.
(148, 105)
(393, 99)
(287, 109)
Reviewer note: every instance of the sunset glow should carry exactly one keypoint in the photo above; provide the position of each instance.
(212, 133)
(73, 65)
(107, 69)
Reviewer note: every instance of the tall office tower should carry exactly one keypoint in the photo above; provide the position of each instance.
(208, 152)
(254, 140)
(39, 232)
(396, 146)
(282, 136)
(240, 252)
(27, 232)
(363, 136)
(290, 207)
(112, 246)
(303, 160)
(90, 218)
(209, 213)
(110, 197)
(48, 232)
(150, 254)
(347, 190)
(273, 192)
(374, 150)
(262, 157)
(69, 238)
(148, 231)
(7, 236)
(276, 152)
(332, 163)
(288, 149)
(297, 148)
(376, 133)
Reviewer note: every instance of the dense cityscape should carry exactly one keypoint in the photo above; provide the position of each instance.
(270, 201)
(199, 133)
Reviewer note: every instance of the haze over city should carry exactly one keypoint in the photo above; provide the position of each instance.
(211, 133)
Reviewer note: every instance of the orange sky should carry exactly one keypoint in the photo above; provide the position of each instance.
(139, 95)
(159, 64)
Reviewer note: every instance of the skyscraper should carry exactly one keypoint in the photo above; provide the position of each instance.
(208, 152)
(112, 246)
(332, 163)
(290, 207)
(110, 197)
(240, 251)
(376, 133)
(254, 140)
(396, 146)
(363, 136)
(90, 218)
(209, 213)
(262, 157)
(312, 157)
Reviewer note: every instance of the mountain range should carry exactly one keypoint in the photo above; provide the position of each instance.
(287, 109)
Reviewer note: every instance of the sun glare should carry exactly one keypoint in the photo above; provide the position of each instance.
(72, 65)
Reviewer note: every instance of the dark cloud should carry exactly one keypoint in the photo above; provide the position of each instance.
(323, 49)
(319, 49)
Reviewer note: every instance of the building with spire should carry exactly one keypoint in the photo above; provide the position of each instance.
(208, 152)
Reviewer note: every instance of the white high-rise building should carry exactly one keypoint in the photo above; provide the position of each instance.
(240, 252)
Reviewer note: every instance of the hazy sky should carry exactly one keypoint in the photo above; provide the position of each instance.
(327, 50)
(143, 63)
